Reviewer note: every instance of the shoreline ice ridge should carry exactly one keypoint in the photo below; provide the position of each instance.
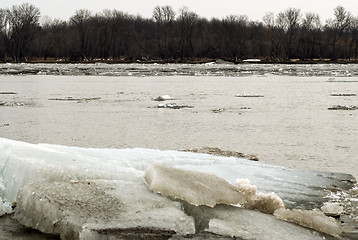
(25, 167)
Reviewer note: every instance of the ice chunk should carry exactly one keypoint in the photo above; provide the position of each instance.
(22, 163)
(193, 187)
(246, 224)
(69, 208)
(163, 98)
(332, 209)
(310, 218)
(207, 189)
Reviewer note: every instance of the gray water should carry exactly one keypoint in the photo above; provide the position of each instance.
(290, 125)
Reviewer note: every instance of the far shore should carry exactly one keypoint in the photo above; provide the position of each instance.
(144, 60)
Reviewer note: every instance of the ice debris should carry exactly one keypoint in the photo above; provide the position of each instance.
(85, 99)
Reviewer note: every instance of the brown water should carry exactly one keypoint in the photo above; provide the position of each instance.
(290, 125)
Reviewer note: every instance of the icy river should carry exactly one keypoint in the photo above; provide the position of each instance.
(286, 121)
(296, 116)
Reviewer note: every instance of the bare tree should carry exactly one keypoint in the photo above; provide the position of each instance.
(310, 35)
(289, 23)
(234, 30)
(55, 40)
(3, 31)
(187, 21)
(23, 22)
(163, 17)
(337, 26)
(353, 29)
(81, 22)
(269, 20)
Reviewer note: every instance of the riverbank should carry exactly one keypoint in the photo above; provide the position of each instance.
(145, 60)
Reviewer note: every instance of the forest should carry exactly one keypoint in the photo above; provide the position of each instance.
(169, 36)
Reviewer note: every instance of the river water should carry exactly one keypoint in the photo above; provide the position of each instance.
(285, 120)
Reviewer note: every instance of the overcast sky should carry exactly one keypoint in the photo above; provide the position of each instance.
(255, 10)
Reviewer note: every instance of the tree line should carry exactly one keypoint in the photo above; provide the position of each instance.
(176, 36)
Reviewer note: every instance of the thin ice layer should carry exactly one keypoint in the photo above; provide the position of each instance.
(69, 208)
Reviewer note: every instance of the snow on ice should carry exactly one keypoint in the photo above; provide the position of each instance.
(79, 193)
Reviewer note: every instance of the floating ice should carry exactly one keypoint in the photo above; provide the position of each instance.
(222, 68)
(163, 98)
(248, 95)
(343, 107)
(172, 106)
(343, 94)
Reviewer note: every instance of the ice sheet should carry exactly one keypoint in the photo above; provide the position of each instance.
(22, 163)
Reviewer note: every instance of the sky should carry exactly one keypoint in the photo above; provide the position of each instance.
(255, 10)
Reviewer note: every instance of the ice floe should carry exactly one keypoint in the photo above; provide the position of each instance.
(163, 98)
(343, 107)
(249, 95)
